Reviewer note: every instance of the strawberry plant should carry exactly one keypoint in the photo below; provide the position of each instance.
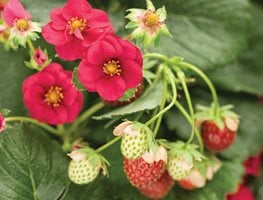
(131, 99)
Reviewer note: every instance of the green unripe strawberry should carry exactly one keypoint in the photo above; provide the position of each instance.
(178, 167)
(86, 165)
(181, 159)
(133, 146)
(135, 139)
(82, 172)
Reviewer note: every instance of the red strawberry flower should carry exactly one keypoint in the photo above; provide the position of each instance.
(74, 25)
(50, 96)
(243, 193)
(111, 67)
(19, 19)
(2, 123)
(40, 57)
(2, 5)
(252, 165)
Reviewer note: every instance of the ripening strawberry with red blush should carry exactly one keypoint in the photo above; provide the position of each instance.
(50, 96)
(75, 26)
(110, 67)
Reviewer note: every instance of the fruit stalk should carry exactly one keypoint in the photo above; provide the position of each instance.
(208, 82)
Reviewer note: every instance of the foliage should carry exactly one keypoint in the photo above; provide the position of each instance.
(224, 38)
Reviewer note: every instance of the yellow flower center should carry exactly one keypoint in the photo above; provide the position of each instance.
(76, 23)
(112, 67)
(151, 18)
(22, 24)
(54, 96)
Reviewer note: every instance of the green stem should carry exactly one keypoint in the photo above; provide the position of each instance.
(33, 121)
(31, 46)
(208, 82)
(189, 103)
(188, 118)
(158, 123)
(171, 80)
(85, 116)
(156, 56)
(108, 144)
(61, 129)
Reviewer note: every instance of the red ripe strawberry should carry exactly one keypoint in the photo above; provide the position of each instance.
(216, 139)
(186, 184)
(194, 180)
(160, 188)
(141, 174)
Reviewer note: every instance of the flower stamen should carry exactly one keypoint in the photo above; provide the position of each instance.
(151, 19)
(21, 24)
(77, 24)
(54, 96)
(112, 67)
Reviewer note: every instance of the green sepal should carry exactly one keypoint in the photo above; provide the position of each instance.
(128, 94)
(131, 25)
(95, 158)
(133, 14)
(162, 12)
(78, 85)
(5, 112)
(180, 148)
(205, 113)
(150, 5)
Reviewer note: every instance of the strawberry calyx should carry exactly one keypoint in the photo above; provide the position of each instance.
(181, 158)
(223, 117)
(189, 151)
(200, 173)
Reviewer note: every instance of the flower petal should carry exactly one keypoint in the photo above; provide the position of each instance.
(89, 72)
(76, 8)
(131, 73)
(58, 21)
(93, 35)
(111, 88)
(14, 9)
(75, 108)
(61, 114)
(72, 50)
(94, 54)
(55, 37)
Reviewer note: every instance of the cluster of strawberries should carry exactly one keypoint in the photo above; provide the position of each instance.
(154, 167)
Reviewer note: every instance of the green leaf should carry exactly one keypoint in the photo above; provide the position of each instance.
(94, 190)
(246, 75)
(206, 33)
(31, 165)
(13, 73)
(149, 100)
(76, 81)
(224, 182)
(40, 9)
